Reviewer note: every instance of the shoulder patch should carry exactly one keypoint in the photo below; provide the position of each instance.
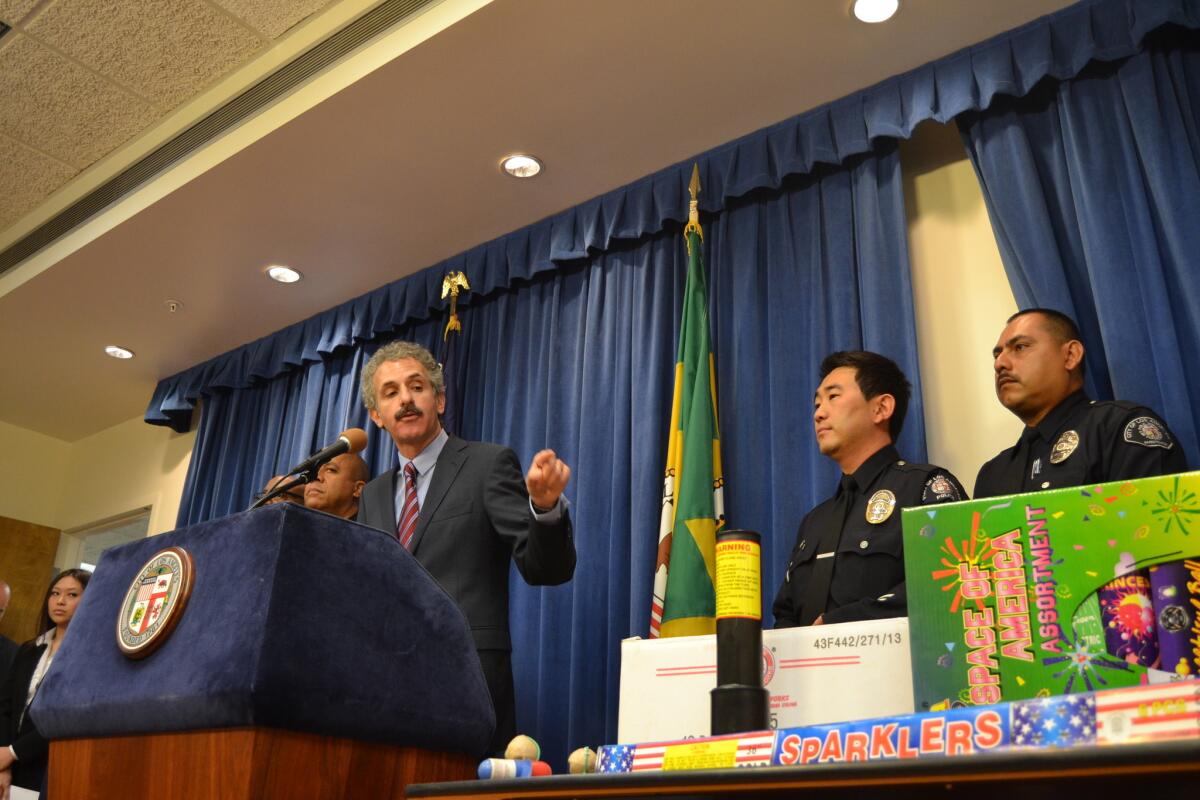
(940, 489)
(1148, 432)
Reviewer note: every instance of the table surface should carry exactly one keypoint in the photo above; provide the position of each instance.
(1156, 771)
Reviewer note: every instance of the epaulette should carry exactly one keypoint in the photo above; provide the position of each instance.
(1124, 405)
(914, 466)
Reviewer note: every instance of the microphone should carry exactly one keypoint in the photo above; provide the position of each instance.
(351, 440)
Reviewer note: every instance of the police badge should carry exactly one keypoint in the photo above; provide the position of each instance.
(1063, 448)
(880, 506)
(154, 602)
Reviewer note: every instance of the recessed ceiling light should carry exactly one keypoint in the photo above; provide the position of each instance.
(283, 274)
(521, 166)
(118, 352)
(875, 10)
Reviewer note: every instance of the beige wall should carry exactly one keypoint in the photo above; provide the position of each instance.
(962, 298)
(68, 485)
(31, 475)
(125, 467)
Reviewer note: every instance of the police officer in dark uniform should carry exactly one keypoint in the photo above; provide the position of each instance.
(848, 562)
(1069, 440)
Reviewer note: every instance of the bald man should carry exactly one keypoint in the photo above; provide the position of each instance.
(338, 486)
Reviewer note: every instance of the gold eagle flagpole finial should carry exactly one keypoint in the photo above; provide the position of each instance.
(693, 223)
(452, 284)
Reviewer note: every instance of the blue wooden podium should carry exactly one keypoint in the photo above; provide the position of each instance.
(315, 658)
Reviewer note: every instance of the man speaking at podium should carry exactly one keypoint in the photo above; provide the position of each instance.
(462, 509)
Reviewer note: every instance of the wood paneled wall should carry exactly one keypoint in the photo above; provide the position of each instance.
(26, 564)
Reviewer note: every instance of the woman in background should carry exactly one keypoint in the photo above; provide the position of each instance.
(24, 751)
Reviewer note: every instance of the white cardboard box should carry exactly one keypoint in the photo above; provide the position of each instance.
(827, 673)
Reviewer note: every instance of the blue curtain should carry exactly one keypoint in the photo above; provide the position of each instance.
(581, 360)
(1093, 187)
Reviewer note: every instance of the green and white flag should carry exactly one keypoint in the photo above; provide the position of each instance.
(684, 602)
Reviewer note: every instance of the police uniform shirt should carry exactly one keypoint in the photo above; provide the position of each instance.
(1082, 442)
(868, 571)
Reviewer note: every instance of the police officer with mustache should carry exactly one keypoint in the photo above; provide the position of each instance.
(1069, 439)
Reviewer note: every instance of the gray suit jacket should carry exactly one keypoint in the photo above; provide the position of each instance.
(475, 518)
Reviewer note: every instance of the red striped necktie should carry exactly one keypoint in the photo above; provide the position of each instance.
(408, 518)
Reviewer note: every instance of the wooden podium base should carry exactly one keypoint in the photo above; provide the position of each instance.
(259, 763)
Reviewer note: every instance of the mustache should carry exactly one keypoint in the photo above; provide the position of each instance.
(1002, 375)
(407, 408)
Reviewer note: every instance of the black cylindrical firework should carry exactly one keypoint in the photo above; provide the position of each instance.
(739, 703)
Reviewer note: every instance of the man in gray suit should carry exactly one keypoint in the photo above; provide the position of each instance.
(462, 509)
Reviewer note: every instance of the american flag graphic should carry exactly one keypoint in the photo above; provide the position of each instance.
(753, 750)
(615, 758)
(145, 590)
(1148, 713)
(1062, 721)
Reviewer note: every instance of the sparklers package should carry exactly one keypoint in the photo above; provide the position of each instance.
(1053, 593)
(1129, 716)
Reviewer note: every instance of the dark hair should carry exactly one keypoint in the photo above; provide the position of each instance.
(875, 375)
(81, 575)
(1060, 326)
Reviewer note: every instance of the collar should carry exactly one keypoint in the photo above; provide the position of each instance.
(871, 469)
(45, 638)
(1053, 423)
(427, 458)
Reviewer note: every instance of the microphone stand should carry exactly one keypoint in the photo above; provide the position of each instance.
(281, 486)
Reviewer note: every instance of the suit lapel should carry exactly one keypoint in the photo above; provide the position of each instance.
(383, 502)
(449, 463)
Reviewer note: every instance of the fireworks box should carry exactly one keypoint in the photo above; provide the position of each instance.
(1047, 593)
(826, 673)
(1132, 715)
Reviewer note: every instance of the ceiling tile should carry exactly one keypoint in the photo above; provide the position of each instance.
(169, 49)
(272, 18)
(55, 105)
(28, 178)
(14, 11)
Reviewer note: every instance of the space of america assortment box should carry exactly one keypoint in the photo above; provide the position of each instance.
(1054, 592)
(1131, 715)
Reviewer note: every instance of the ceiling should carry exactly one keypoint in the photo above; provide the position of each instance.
(383, 165)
